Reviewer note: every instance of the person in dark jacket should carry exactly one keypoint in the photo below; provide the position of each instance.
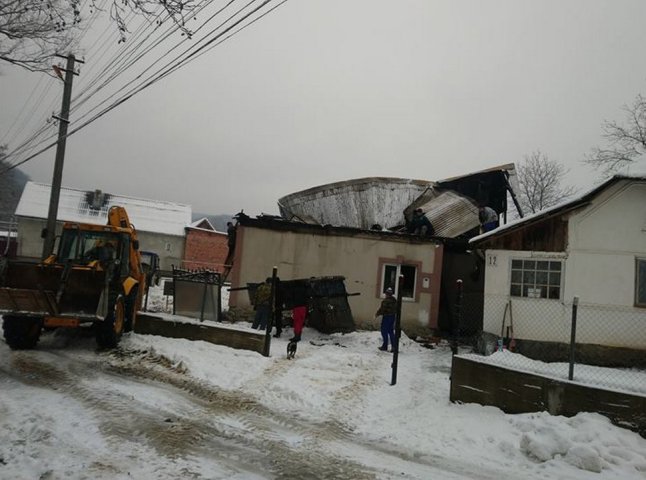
(420, 224)
(262, 304)
(231, 237)
(488, 218)
(387, 310)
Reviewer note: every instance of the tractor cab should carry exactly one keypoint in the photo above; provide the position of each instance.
(94, 248)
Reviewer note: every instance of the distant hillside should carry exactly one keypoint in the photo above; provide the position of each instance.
(218, 221)
(12, 184)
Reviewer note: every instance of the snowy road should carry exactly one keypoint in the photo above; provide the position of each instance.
(121, 390)
(69, 411)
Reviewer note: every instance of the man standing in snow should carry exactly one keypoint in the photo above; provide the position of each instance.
(387, 310)
(262, 304)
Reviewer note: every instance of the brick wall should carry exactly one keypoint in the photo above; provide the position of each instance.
(205, 250)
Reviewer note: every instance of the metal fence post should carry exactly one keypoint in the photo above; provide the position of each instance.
(174, 289)
(270, 320)
(398, 332)
(204, 291)
(219, 319)
(575, 304)
(457, 318)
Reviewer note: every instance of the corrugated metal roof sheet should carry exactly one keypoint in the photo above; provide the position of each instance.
(76, 206)
(451, 214)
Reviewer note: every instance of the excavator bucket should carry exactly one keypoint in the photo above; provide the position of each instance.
(35, 289)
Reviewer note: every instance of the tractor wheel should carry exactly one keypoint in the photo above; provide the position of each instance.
(131, 305)
(109, 331)
(21, 333)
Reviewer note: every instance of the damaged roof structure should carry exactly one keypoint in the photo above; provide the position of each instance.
(356, 229)
(451, 205)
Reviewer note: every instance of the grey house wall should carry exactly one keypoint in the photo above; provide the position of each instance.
(30, 242)
(168, 247)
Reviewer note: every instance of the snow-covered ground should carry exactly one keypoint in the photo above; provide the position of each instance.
(172, 408)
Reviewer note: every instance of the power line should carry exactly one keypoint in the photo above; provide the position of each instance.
(169, 63)
(240, 29)
(20, 124)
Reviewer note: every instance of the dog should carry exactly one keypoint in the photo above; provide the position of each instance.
(291, 349)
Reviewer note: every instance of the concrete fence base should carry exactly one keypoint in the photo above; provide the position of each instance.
(244, 340)
(519, 392)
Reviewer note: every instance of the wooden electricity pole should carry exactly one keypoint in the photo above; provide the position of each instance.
(63, 121)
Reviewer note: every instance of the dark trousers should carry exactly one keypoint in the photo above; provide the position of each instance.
(278, 318)
(262, 317)
(387, 330)
(490, 226)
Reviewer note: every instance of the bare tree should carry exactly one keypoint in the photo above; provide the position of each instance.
(626, 142)
(32, 31)
(540, 180)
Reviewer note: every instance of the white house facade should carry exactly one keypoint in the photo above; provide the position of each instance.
(593, 248)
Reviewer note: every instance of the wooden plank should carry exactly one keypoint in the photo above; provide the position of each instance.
(149, 324)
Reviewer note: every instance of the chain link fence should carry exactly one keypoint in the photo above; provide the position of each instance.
(599, 345)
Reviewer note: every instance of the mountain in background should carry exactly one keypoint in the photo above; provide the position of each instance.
(12, 184)
(218, 221)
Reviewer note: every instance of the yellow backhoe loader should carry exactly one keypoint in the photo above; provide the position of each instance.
(95, 277)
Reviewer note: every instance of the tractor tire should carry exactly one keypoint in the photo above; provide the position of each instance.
(131, 305)
(21, 333)
(109, 331)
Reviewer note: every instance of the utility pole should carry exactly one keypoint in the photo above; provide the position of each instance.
(63, 121)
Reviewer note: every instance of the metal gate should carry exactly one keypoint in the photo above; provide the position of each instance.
(196, 294)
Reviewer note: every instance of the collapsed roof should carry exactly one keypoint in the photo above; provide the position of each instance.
(451, 205)
(358, 203)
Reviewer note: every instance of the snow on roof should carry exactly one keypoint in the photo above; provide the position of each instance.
(508, 167)
(77, 206)
(572, 202)
(202, 224)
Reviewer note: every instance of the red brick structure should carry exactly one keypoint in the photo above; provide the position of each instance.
(205, 247)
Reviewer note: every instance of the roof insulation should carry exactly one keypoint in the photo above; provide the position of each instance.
(359, 203)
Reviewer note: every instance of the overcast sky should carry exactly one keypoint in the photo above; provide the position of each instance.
(328, 90)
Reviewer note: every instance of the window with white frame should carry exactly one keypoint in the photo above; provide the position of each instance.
(536, 278)
(640, 282)
(390, 278)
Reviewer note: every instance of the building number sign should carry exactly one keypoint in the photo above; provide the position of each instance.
(491, 260)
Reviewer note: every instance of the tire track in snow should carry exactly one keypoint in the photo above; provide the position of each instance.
(277, 434)
(120, 416)
(269, 446)
(232, 427)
